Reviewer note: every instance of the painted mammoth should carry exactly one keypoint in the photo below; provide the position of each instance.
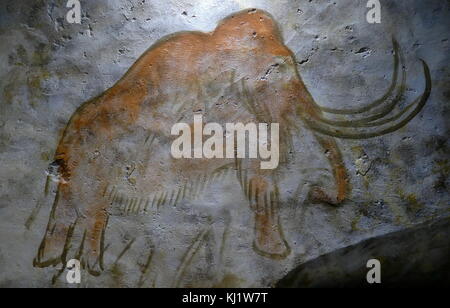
(115, 151)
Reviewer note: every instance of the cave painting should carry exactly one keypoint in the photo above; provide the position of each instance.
(116, 147)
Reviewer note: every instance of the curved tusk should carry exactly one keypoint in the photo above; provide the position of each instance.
(396, 117)
(421, 101)
(382, 113)
(379, 101)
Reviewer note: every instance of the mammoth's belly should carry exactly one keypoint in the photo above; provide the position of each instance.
(139, 176)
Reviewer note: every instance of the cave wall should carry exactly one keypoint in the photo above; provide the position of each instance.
(49, 68)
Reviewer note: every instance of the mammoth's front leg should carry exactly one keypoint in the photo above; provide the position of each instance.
(263, 196)
(338, 195)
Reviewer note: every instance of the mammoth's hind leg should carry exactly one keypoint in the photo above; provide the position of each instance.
(264, 201)
(76, 227)
(92, 209)
(96, 224)
(337, 195)
(57, 240)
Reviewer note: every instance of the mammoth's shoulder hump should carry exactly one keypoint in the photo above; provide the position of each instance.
(256, 20)
(238, 24)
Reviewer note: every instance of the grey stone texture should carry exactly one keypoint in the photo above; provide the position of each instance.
(49, 67)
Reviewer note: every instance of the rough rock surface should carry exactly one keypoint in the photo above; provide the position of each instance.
(49, 68)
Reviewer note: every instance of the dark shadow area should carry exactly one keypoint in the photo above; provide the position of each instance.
(417, 257)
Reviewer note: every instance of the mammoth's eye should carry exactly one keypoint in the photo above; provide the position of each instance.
(284, 61)
(279, 67)
(284, 65)
(279, 60)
